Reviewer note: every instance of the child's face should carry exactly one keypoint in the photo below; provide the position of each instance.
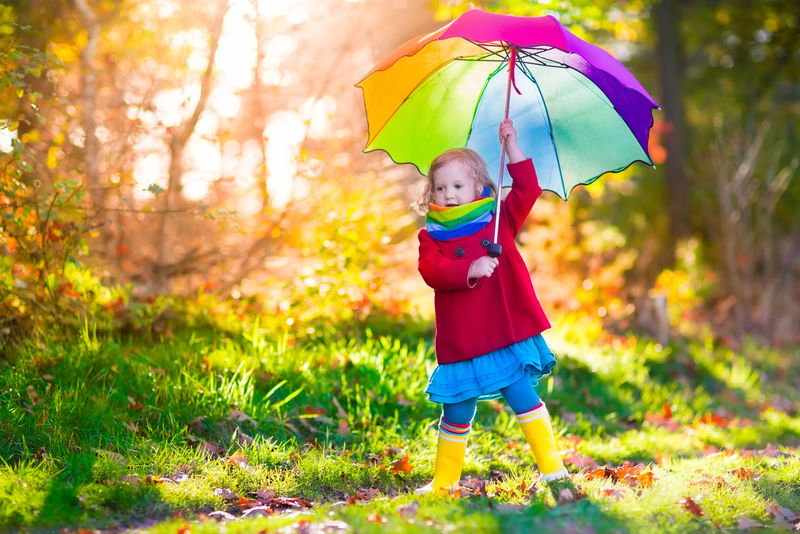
(453, 185)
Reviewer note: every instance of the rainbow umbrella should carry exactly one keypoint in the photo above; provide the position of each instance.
(579, 113)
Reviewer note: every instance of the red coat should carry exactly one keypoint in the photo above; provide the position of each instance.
(475, 318)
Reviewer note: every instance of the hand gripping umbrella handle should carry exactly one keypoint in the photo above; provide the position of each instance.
(495, 249)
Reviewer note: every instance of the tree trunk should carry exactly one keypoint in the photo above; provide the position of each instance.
(91, 147)
(177, 144)
(668, 53)
(259, 119)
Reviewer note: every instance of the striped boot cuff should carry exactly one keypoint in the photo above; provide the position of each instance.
(453, 432)
(537, 412)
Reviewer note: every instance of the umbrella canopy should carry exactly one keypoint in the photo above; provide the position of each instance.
(578, 111)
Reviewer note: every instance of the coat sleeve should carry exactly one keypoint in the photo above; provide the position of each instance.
(523, 194)
(439, 271)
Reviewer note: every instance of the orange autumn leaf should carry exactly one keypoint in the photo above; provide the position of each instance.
(401, 465)
(374, 517)
(184, 529)
(611, 492)
(247, 503)
(646, 479)
(714, 420)
(743, 473)
(667, 411)
(691, 506)
(238, 459)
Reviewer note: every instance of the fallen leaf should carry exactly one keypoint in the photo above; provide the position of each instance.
(258, 511)
(779, 512)
(646, 479)
(745, 523)
(408, 509)
(238, 459)
(239, 417)
(402, 401)
(667, 411)
(691, 506)
(210, 448)
(567, 496)
(374, 517)
(244, 502)
(611, 492)
(134, 404)
(196, 425)
(401, 465)
(131, 427)
(343, 428)
(184, 529)
(742, 473)
(580, 461)
(242, 439)
(155, 479)
(265, 494)
(225, 494)
(221, 515)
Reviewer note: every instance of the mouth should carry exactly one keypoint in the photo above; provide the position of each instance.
(451, 204)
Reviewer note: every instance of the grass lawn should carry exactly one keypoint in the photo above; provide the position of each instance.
(206, 430)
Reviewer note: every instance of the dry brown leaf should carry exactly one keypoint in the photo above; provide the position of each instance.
(567, 496)
(225, 494)
(242, 439)
(265, 494)
(210, 448)
(745, 523)
(611, 493)
(343, 428)
(691, 506)
(779, 512)
(742, 473)
(239, 417)
(196, 425)
(134, 404)
(402, 401)
(408, 509)
(238, 459)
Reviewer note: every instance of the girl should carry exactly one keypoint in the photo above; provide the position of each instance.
(488, 319)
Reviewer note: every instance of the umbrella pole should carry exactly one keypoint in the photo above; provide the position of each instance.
(495, 249)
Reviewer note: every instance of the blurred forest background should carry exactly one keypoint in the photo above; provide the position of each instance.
(157, 151)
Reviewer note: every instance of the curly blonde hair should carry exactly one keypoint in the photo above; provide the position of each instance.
(471, 160)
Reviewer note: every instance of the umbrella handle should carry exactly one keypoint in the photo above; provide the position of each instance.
(495, 249)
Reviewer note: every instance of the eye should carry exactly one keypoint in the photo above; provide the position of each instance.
(459, 186)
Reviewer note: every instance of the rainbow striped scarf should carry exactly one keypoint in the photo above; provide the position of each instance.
(444, 223)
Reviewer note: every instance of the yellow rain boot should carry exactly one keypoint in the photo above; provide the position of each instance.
(450, 451)
(535, 424)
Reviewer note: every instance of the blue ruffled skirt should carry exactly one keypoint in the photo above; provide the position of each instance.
(483, 377)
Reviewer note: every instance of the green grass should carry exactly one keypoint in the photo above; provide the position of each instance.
(103, 431)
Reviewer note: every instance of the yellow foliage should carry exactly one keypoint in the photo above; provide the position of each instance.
(52, 157)
(65, 52)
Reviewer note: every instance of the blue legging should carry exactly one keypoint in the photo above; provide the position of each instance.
(520, 395)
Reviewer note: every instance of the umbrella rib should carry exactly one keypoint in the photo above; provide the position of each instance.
(552, 139)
